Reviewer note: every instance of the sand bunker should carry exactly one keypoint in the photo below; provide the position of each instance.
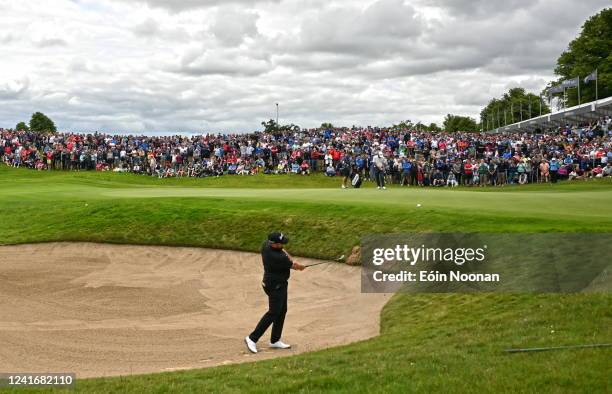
(102, 310)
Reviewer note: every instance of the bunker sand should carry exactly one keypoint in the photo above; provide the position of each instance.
(105, 310)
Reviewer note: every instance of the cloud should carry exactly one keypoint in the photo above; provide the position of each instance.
(14, 89)
(480, 8)
(384, 27)
(147, 28)
(232, 26)
(51, 42)
(188, 66)
(221, 62)
(182, 5)
(7, 38)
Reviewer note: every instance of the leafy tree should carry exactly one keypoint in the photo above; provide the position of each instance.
(433, 127)
(22, 126)
(290, 127)
(270, 126)
(403, 125)
(42, 123)
(459, 123)
(587, 52)
(327, 125)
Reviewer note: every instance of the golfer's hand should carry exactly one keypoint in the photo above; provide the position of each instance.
(298, 266)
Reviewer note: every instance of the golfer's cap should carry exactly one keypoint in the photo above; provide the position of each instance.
(278, 238)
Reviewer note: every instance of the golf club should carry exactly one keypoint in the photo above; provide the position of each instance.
(322, 262)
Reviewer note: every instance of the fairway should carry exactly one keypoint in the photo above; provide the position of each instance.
(428, 339)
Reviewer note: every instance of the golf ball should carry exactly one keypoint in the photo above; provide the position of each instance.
(418, 205)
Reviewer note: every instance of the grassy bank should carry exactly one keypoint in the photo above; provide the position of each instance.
(323, 222)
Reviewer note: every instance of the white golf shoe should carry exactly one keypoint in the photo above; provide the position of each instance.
(252, 346)
(279, 345)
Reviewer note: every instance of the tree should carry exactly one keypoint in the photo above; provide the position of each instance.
(327, 125)
(587, 52)
(41, 123)
(22, 126)
(433, 127)
(403, 125)
(270, 126)
(290, 127)
(459, 123)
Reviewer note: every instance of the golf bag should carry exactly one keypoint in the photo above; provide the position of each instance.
(356, 180)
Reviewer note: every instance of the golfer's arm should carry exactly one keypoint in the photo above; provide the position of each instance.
(294, 265)
(289, 256)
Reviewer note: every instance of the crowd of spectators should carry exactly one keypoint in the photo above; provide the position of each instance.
(383, 155)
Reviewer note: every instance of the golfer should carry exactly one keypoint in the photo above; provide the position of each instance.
(277, 264)
(379, 164)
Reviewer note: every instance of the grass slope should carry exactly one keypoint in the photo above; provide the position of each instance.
(323, 222)
(429, 342)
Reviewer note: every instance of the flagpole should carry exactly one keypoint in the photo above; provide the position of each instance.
(596, 77)
(550, 101)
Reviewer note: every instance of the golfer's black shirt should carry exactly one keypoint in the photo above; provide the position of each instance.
(277, 265)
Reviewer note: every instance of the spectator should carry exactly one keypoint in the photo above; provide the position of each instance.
(409, 157)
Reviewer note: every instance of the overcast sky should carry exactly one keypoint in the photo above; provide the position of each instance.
(137, 66)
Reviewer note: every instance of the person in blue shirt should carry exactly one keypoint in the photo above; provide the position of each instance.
(360, 163)
(554, 169)
(406, 167)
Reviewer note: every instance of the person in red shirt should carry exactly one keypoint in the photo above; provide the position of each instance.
(49, 159)
(467, 172)
(336, 156)
(305, 168)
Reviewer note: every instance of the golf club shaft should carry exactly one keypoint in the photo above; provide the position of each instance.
(322, 262)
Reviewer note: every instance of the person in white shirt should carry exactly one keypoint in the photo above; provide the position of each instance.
(380, 165)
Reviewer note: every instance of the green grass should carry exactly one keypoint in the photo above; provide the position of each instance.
(323, 220)
(429, 342)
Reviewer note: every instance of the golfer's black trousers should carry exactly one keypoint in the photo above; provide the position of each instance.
(275, 316)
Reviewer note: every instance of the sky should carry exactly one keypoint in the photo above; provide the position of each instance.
(164, 66)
